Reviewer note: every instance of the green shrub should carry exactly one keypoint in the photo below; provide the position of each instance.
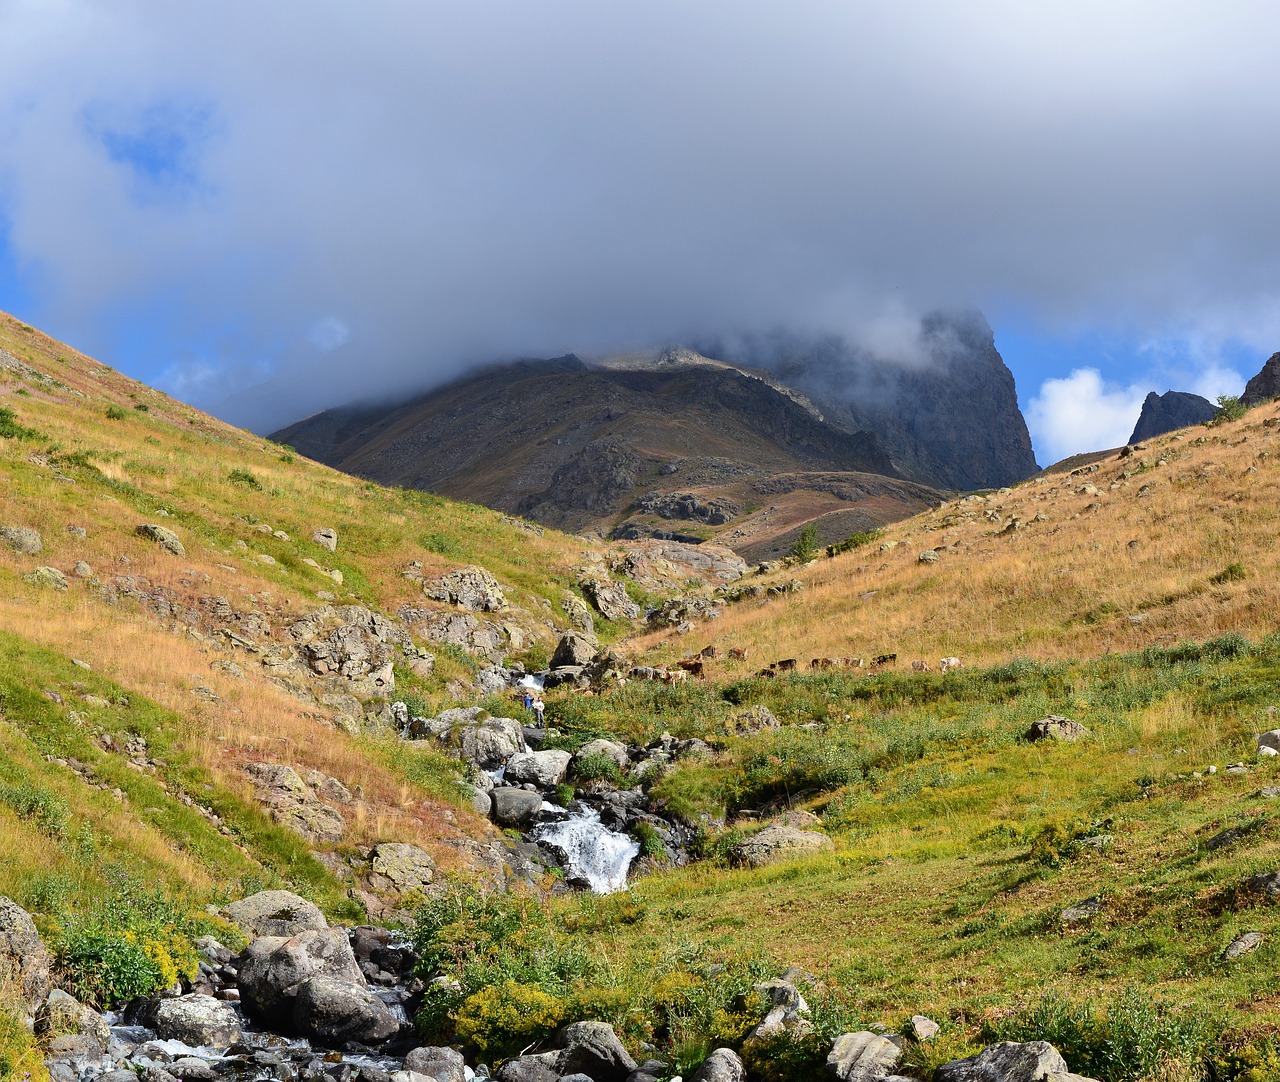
(116, 413)
(245, 478)
(650, 841)
(1230, 573)
(597, 767)
(47, 811)
(1230, 408)
(10, 429)
(142, 407)
(503, 1018)
(805, 547)
(854, 541)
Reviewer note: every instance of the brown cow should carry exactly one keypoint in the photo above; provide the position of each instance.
(693, 668)
(919, 666)
(709, 652)
(768, 674)
(885, 659)
(785, 665)
(737, 653)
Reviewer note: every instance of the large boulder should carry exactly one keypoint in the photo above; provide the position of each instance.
(863, 1057)
(442, 1064)
(61, 1013)
(197, 1020)
(49, 577)
(471, 588)
(24, 959)
(1055, 727)
(723, 1065)
(1035, 1061)
(275, 913)
(543, 768)
(580, 618)
(592, 1048)
(326, 537)
(514, 807)
(573, 649)
(488, 743)
(336, 1011)
(403, 866)
(162, 536)
(609, 597)
(272, 969)
(540, 1067)
(608, 749)
(778, 842)
(21, 539)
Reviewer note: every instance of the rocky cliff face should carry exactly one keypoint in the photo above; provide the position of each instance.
(1265, 385)
(946, 411)
(1167, 412)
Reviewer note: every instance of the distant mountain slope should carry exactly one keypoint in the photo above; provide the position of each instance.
(581, 446)
(1170, 411)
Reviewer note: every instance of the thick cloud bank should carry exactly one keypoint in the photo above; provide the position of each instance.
(356, 198)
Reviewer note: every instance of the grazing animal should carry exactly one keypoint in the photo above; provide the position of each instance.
(853, 663)
(919, 666)
(644, 672)
(709, 652)
(768, 674)
(693, 668)
(885, 659)
(946, 664)
(675, 676)
(785, 665)
(816, 663)
(737, 653)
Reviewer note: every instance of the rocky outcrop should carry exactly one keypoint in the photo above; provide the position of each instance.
(713, 510)
(1035, 1061)
(275, 913)
(162, 536)
(573, 649)
(354, 643)
(778, 842)
(197, 1020)
(293, 803)
(863, 1057)
(609, 597)
(400, 867)
(1265, 385)
(1167, 412)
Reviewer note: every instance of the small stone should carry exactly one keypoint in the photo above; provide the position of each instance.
(326, 537)
(78, 532)
(163, 536)
(922, 1028)
(49, 577)
(1082, 913)
(1242, 944)
(21, 539)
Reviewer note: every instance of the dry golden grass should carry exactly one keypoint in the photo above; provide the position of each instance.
(1116, 571)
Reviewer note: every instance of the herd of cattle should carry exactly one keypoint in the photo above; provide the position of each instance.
(696, 666)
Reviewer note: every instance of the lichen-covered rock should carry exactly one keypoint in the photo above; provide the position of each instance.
(49, 577)
(573, 649)
(863, 1057)
(1009, 1061)
(63, 1013)
(471, 588)
(403, 867)
(326, 537)
(579, 615)
(593, 1049)
(272, 970)
(514, 807)
(609, 597)
(22, 539)
(197, 1020)
(441, 1063)
(608, 749)
(293, 803)
(723, 1065)
(779, 842)
(275, 913)
(24, 959)
(543, 768)
(162, 536)
(1055, 727)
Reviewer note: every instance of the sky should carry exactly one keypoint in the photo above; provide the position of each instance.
(268, 209)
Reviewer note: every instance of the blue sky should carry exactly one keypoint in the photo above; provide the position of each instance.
(337, 203)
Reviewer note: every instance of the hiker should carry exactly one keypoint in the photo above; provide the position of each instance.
(538, 707)
(528, 698)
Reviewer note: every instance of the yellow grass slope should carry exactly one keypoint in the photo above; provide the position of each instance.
(1173, 541)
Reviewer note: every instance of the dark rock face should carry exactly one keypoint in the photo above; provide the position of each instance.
(1167, 412)
(1265, 385)
(948, 414)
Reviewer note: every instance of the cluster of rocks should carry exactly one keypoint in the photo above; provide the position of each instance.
(713, 510)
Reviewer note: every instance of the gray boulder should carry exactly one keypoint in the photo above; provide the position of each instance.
(21, 539)
(275, 913)
(49, 577)
(543, 768)
(723, 1065)
(863, 1057)
(579, 615)
(61, 1013)
(294, 804)
(922, 1028)
(1242, 945)
(197, 1020)
(335, 1011)
(272, 969)
(442, 1064)
(537, 1068)
(1269, 739)
(326, 537)
(610, 749)
(573, 649)
(471, 588)
(1266, 884)
(1035, 1061)
(162, 536)
(609, 597)
(592, 1048)
(514, 807)
(24, 959)
(488, 743)
(779, 842)
(403, 866)
(1055, 727)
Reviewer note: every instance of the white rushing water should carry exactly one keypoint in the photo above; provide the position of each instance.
(591, 851)
(532, 681)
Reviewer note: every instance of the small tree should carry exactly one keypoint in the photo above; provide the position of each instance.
(1230, 408)
(805, 547)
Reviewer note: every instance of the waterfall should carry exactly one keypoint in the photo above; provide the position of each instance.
(592, 853)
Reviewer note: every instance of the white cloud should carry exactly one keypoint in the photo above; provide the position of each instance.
(1082, 412)
(328, 334)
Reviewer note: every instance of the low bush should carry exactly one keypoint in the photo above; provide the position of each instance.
(116, 413)
(10, 429)
(245, 478)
